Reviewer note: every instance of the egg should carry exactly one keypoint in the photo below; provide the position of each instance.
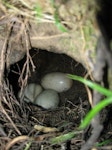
(31, 91)
(48, 99)
(56, 81)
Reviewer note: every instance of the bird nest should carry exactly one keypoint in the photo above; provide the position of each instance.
(39, 37)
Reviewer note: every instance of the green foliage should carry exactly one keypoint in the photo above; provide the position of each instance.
(105, 142)
(38, 11)
(58, 23)
(56, 17)
(63, 138)
(92, 85)
(28, 145)
(92, 113)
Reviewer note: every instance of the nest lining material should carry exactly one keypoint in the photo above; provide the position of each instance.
(21, 117)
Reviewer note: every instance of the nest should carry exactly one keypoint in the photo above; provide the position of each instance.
(34, 42)
(21, 66)
(20, 118)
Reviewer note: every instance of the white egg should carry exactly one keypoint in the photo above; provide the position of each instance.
(31, 91)
(48, 99)
(57, 81)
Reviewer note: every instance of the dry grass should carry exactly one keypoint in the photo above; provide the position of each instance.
(34, 10)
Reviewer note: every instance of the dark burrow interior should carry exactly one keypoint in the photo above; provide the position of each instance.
(47, 62)
(73, 105)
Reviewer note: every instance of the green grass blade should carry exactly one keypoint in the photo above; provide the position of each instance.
(105, 142)
(63, 138)
(38, 11)
(57, 19)
(58, 23)
(94, 111)
(92, 85)
(28, 145)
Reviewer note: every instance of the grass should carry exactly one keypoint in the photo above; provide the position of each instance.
(91, 114)
(105, 102)
(56, 18)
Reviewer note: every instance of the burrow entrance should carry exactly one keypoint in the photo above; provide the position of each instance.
(73, 103)
(46, 62)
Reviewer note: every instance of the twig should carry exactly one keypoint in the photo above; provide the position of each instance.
(15, 140)
(4, 111)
